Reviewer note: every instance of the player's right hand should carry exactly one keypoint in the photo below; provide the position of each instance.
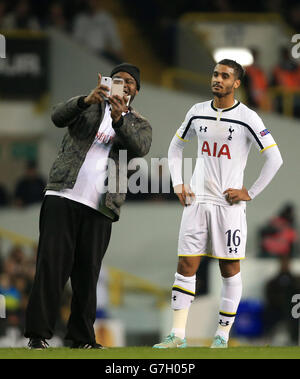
(98, 94)
(185, 194)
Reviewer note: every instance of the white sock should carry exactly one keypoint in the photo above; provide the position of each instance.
(231, 296)
(183, 294)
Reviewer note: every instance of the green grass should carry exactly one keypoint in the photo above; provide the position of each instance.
(149, 353)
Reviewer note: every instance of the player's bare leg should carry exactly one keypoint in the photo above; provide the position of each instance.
(230, 299)
(183, 294)
(188, 266)
(229, 268)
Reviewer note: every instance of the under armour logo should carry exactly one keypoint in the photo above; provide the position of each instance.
(230, 131)
(203, 129)
(231, 250)
(174, 298)
(224, 323)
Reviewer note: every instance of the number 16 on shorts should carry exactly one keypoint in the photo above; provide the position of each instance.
(233, 241)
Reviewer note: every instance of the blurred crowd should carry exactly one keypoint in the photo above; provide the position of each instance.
(158, 9)
(87, 21)
(17, 269)
(270, 91)
(28, 190)
(16, 276)
(159, 20)
(91, 24)
(64, 14)
(279, 239)
(279, 236)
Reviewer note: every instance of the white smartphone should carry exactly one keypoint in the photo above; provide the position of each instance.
(117, 87)
(107, 81)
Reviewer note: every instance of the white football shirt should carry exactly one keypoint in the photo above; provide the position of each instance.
(225, 137)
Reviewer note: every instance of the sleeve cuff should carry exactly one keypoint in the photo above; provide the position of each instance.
(251, 194)
(81, 104)
(117, 125)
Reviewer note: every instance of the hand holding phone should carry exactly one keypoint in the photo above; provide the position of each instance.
(107, 82)
(101, 92)
(118, 101)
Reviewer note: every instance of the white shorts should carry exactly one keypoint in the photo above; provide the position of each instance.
(214, 231)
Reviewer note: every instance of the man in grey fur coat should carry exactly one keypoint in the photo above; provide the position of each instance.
(78, 209)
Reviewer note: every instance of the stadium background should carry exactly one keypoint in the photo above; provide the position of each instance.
(47, 61)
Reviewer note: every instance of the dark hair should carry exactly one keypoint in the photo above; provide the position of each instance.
(238, 69)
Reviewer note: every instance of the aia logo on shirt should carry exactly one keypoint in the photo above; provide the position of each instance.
(216, 150)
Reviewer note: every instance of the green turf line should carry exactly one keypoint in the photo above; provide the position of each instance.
(149, 353)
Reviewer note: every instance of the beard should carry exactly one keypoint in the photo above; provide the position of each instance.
(227, 91)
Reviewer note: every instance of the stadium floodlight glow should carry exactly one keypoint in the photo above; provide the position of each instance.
(239, 54)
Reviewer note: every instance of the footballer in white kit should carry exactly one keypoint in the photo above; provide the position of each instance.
(224, 141)
(214, 217)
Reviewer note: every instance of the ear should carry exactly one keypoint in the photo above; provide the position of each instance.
(237, 83)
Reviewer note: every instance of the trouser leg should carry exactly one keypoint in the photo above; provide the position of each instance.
(58, 226)
(92, 242)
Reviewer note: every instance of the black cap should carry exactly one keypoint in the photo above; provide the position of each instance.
(130, 69)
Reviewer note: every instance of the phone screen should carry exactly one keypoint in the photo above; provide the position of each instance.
(117, 87)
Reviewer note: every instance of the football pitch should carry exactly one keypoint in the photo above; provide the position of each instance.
(132, 353)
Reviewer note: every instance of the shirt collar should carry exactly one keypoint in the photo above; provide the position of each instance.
(236, 104)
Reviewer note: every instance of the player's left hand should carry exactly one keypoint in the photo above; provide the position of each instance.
(233, 196)
(118, 106)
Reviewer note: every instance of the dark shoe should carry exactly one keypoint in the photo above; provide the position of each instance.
(37, 344)
(80, 345)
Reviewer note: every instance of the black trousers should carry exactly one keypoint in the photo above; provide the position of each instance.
(72, 243)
